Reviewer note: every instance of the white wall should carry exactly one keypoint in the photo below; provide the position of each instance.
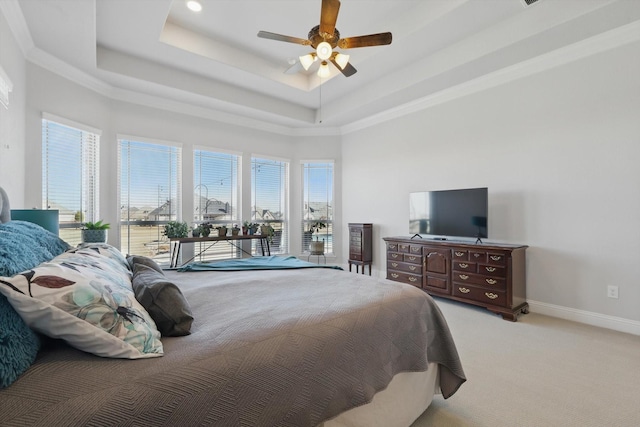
(56, 95)
(12, 132)
(560, 154)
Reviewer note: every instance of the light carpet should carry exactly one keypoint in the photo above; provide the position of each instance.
(539, 371)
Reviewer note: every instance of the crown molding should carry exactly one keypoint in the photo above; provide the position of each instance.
(179, 101)
(17, 24)
(603, 42)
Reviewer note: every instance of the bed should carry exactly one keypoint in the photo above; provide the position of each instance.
(280, 347)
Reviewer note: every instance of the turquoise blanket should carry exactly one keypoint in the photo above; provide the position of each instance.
(255, 263)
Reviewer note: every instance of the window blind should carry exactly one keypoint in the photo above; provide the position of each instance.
(70, 176)
(269, 199)
(216, 198)
(150, 183)
(317, 198)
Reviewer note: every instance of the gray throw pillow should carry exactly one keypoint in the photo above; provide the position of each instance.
(139, 259)
(163, 300)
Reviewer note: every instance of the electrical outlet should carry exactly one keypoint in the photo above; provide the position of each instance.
(612, 291)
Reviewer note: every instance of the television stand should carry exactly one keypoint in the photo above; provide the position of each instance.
(490, 276)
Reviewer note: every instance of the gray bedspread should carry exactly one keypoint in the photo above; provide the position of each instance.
(268, 348)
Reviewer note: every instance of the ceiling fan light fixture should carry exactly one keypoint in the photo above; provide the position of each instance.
(307, 60)
(323, 71)
(342, 60)
(324, 51)
(194, 5)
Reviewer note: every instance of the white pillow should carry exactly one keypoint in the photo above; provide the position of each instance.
(85, 298)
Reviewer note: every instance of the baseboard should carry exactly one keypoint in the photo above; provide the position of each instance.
(590, 318)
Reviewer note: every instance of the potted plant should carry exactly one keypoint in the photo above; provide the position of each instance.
(235, 230)
(316, 247)
(196, 230)
(249, 227)
(267, 230)
(176, 229)
(95, 232)
(222, 230)
(206, 229)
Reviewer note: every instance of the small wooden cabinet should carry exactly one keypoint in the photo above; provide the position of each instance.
(488, 275)
(360, 245)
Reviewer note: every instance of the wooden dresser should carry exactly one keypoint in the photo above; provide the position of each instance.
(488, 275)
(360, 245)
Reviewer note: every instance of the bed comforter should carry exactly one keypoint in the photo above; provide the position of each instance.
(267, 348)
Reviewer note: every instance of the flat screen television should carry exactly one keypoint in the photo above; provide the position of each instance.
(449, 213)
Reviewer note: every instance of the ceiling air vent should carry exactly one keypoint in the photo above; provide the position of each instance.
(528, 2)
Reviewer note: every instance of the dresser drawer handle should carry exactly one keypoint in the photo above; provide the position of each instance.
(394, 264)
(412, 267)
(394, 255)
(415, 249)
(491, 281)
(412, 279)
(463, 276)
(403, 246)
(464, 290)
(464, 265)
(412, 258)
(459, 253)
(476, 255)
(394, 275)
(490, 269)
(496, 257)
(491, 295)
(393, 247)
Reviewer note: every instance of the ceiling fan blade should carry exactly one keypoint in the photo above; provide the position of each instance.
(349, 70)
(282, 38)
(365, 41)
(329, 16)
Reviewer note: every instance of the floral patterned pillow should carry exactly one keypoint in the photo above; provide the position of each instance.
(84, 296)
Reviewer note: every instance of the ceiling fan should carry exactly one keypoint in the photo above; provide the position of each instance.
(324, 38)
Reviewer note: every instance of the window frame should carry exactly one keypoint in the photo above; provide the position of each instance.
(89, 170)
(329, 231)
(283, 245)
(161, 240)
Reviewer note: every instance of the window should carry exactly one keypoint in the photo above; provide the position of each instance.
(317, 198)
(150, 196)
(70, 174)
(216, 198)
(269, 204)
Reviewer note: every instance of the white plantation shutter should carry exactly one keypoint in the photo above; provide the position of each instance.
(269, 199)
(150, 183)
(70, 174)
(317, 199)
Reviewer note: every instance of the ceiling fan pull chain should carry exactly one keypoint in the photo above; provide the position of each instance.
(320, 108)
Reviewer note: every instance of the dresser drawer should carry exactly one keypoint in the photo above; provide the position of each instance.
(479, 294)
(395, 256)
(413, 259)
(460, 255)
(496, 258)
(492, 270)
(477, 256)
(399, 276)
(469, 267)
(392, 247)
(480, 280)
(404, 266)
(403, 247)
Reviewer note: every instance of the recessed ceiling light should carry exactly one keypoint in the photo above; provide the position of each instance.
(194, 5)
